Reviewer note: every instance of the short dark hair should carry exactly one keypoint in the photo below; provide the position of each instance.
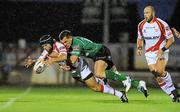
(64, 33)
(46, 39)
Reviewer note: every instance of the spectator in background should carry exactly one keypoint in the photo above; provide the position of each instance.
(9, 63)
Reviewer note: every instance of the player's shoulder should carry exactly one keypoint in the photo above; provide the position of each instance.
(78, 40)
(59, 44)
(162, 21)
(142, 22)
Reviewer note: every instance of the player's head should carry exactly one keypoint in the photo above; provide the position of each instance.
(46, 41)
(149, 13)
(65, 38)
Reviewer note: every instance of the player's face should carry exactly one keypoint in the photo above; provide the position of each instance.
(148, 14)
(47, 47)
(67, 42)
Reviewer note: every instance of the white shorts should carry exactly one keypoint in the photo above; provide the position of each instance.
(151, 57)
(82, 70)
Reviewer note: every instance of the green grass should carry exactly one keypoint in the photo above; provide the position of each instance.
(69, 99)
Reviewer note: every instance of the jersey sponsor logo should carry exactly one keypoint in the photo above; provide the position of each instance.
(150, 27)
(154, 37)
(62, 48)
(144, 31)
(156, 30)
(87, 54)
(76, 48)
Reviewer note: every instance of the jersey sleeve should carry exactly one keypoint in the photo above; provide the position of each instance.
(138, 32)
(61, 48)
(76, 49)
(43, 55)
(168, 32)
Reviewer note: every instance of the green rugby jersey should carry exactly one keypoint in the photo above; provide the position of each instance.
(84, 47)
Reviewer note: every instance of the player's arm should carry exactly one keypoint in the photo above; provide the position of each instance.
(169, 36)
(169, 42)
(75, 53)
(59, 57)
(29, 62)
(175, 33)
(140, 43)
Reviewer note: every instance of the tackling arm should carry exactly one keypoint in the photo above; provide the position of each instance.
(140, 43)
(169, 42)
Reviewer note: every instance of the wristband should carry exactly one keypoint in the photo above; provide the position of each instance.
(164, 49)
(139, 48)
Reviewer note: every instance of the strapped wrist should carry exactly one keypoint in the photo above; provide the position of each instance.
(164, 49)
(139, 48)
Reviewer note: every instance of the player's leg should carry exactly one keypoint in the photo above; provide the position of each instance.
(91, 83)
(158, 70)
(168, 85)
(90, 80)
(104, 68)
(139, 84)
(100, 67)
(101, 71)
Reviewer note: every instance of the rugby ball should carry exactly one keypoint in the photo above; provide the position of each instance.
(39, 67)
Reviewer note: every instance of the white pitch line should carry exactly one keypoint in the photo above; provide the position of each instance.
(12, 100)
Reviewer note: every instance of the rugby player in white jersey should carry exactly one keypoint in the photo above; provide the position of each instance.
(56, 52)
(158, 38)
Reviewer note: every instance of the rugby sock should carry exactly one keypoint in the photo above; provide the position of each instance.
(110, 90)
(114, 75)
(163, 85)
(135, 83)
(169, 84)
(110, 74)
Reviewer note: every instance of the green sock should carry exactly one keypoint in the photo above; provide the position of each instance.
(134, 83)
(110, 74)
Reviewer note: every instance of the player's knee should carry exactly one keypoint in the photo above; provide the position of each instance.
(95, 88)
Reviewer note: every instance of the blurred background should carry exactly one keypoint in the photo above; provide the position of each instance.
(111, 22)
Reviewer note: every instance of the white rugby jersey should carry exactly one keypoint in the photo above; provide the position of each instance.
(57, 47)
(154, 34)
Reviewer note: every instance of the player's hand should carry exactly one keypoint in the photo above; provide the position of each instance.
(175, 33)
(65, 67)
(139, 52)
(29, 62)
(160, 54)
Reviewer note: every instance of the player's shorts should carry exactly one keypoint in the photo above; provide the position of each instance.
(105, 55)
(82, 71)
(151, 57)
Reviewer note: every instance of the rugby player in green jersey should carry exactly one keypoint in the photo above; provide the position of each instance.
(103, 65)
(55, 52)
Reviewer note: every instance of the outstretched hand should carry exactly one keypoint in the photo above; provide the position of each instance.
(28, 62)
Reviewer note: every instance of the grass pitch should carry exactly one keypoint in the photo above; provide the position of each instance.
(80, 99)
